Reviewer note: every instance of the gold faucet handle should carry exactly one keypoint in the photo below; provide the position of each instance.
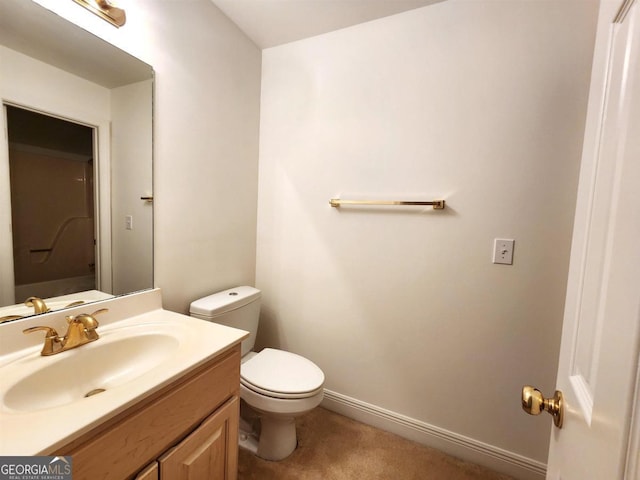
(51, 332)
(91, 322)
(74, 304)
(52, 343)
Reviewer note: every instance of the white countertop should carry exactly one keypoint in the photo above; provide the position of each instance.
(42, 430)
(55, 303)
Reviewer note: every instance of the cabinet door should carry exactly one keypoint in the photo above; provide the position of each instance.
(210, 452)
(149, 473)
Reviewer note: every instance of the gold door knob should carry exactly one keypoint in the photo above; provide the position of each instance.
(533, 402)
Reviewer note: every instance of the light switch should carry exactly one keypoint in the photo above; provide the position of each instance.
(503, 251)
(128, 222)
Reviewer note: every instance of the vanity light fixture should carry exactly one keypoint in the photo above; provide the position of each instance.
(103, 8)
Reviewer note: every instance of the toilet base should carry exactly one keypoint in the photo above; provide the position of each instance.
(276, 429)
(271, 437)
(277, 437)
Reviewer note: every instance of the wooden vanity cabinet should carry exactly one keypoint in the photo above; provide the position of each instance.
(204, 453)
(188, 430)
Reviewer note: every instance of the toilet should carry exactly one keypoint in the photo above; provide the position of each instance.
(277, 385)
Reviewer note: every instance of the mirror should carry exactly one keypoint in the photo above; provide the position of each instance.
(58, 78)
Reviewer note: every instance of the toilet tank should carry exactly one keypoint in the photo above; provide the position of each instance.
(237, 307)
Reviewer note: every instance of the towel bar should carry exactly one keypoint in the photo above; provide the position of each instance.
(336, 202)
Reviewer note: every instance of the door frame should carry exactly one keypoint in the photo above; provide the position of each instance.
(101, 190)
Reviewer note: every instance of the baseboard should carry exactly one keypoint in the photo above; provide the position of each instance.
(451, 443)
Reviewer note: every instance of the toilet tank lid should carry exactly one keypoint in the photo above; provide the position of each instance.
(225, 301)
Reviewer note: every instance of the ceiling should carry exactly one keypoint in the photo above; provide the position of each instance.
(274, 22)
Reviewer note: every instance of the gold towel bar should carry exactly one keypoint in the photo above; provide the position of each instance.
(336, 202)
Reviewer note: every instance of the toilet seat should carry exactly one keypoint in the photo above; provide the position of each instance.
(280, 374)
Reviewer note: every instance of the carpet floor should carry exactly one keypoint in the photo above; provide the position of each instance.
(334, 447)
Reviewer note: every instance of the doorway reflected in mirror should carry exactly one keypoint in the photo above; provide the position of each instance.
(52, 205)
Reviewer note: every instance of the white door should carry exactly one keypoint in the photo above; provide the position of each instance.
(598, 369)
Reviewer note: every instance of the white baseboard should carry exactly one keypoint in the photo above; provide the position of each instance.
(462, 447)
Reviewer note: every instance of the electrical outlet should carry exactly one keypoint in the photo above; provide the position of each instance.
(503, 251)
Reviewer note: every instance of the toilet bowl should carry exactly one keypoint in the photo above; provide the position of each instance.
(278, 386)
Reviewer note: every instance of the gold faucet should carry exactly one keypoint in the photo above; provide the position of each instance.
(81, 330)
(38, 305)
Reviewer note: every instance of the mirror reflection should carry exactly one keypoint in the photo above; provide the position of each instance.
(76, 214)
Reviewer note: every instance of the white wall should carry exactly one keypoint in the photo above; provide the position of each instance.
(481, 103)
(206, 117)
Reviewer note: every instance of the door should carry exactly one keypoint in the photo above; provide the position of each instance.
(598, 368)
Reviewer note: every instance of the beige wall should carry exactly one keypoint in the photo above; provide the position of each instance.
(206, 150)
(480, 103)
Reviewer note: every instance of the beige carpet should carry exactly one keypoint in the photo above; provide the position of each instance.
(333, 447)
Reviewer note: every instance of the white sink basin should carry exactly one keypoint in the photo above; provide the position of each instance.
(89, 370)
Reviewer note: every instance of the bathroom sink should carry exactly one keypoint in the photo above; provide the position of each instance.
(141, 350)
(75, 375)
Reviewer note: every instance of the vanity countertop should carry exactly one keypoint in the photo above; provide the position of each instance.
(39, 428)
